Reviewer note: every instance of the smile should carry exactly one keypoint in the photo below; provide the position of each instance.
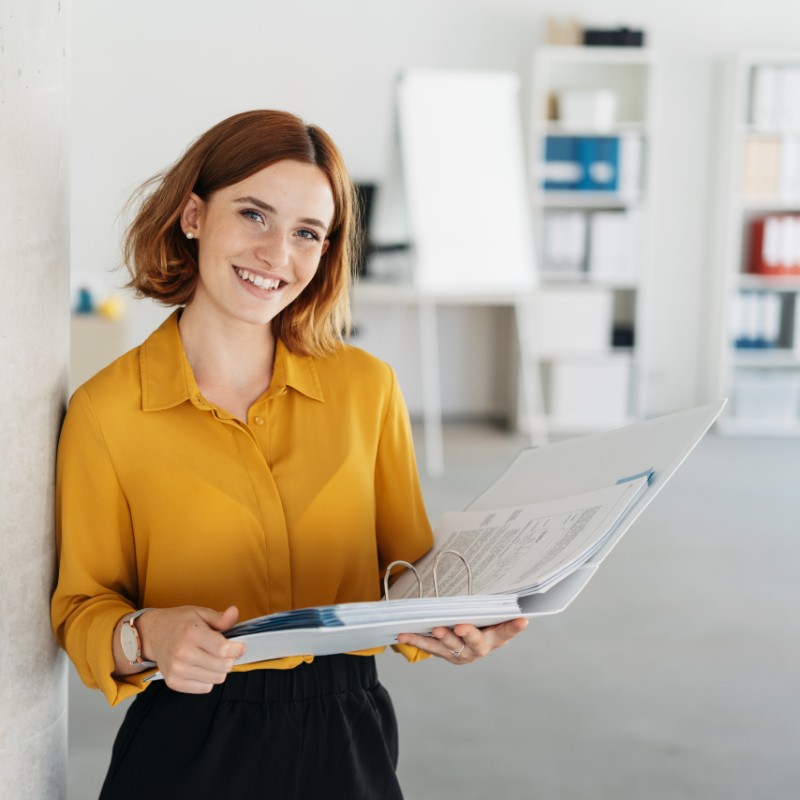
(257, 280)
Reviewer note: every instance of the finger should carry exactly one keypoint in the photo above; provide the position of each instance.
(219, 620)
(454, 643)
(434, 645)
(210, 638)
(200, 683)
(492, 637)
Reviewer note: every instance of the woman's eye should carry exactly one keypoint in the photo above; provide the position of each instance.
(311, 236)
(256, 216)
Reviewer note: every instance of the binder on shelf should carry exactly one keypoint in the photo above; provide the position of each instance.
(775, 245)
(761, 166)
(613, 245)
(795, 329)
(600, 160)
(790, 169)
(563, 165)
(775, 97)
(585, 163)
(756, 320)
(564, 240)
(620, 471)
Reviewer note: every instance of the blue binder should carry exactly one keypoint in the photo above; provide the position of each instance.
(599, 157)
(563, 167)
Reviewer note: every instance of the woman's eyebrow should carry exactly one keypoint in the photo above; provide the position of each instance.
(272, 210)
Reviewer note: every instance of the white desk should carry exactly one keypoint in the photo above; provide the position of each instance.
(372, 292)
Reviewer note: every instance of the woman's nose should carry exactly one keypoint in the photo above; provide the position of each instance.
(273, 249)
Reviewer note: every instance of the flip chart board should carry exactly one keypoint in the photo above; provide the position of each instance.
(465, 182)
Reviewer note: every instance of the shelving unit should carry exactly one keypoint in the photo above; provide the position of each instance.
(755, 321)
(592, 217)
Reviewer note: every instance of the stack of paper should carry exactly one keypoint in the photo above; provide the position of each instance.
(361, 626)
(523, 549)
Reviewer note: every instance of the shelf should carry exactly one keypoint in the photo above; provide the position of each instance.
(588, 390)
(765, 359)
(766, 203)
(762, 382)
(587, 56)
(583, 280)
(556, 128)
(749, 130)
(771, 283)
(589, 200)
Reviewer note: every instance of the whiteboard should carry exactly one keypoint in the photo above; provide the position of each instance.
(466, 182)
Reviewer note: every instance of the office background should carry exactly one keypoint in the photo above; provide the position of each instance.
(690, 693)
(148, 79)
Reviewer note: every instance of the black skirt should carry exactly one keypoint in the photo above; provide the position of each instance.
(325, 729)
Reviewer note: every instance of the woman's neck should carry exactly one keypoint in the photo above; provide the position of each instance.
(231, 360)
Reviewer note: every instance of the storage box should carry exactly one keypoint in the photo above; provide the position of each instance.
(572, 320)
(588, 394)
(761, 395)
(595, 110)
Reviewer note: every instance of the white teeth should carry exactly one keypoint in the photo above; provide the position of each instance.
(258, 280)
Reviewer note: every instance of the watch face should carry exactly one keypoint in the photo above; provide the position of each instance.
(130, 642)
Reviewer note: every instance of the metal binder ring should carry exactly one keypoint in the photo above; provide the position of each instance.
(436, 566)
(389, 572)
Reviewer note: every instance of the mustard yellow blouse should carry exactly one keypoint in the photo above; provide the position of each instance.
(164, 500)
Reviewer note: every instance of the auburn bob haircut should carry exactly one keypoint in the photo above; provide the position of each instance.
(163, 262)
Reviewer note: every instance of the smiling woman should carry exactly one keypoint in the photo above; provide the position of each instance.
(244, 460)
(164, 261)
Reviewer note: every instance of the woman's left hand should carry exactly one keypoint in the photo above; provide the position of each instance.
(464, 644)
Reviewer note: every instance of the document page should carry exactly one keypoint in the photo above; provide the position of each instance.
(523, 549)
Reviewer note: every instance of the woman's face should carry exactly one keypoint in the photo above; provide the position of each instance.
(260, 240)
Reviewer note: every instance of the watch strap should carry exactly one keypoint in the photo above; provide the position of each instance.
(129, 619)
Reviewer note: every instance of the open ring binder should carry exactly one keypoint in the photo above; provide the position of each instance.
(436, 560)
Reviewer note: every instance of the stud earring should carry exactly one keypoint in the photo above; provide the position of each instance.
(189, 235)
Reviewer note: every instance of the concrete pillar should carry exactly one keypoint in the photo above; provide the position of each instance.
(34, 348)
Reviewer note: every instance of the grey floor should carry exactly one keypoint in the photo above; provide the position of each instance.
(676, 674)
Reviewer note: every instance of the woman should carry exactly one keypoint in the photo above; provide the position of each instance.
(242, 461)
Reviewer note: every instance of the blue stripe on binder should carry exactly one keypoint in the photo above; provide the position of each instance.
(648, 473)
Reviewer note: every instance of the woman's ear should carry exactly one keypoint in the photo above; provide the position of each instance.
(192, 216)
(325, 245)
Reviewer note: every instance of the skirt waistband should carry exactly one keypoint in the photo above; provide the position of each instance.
(324, 675)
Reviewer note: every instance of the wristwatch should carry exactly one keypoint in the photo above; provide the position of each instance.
(130, 641)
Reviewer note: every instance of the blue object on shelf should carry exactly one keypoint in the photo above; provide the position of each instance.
(563, 168)
(85, 304)
(600, 160)
(583, 163)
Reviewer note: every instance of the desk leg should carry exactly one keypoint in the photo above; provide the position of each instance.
(431, 390)
(530, 375)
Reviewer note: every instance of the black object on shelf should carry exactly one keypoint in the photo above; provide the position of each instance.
(614, 37)
(623, 336)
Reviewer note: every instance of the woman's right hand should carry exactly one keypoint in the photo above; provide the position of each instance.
(188, 645)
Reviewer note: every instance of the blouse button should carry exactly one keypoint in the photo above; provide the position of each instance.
(259, 420)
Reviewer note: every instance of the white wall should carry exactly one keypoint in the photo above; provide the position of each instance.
(149, 77)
